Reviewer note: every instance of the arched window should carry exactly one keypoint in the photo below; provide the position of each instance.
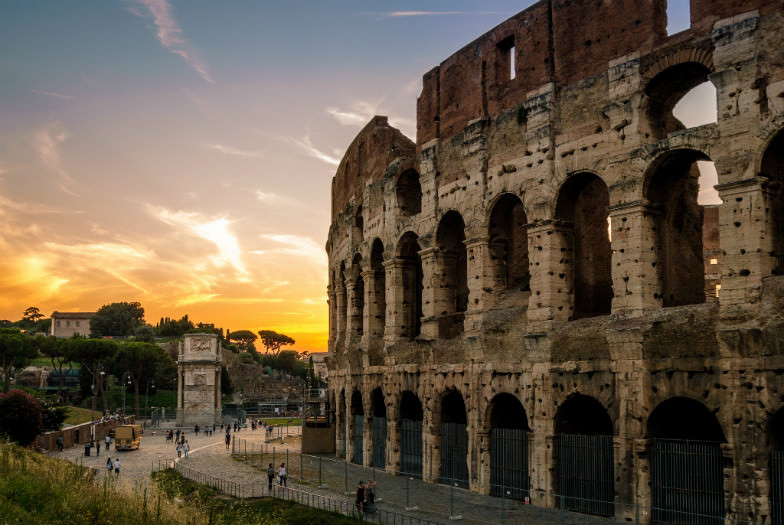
(411, 268)
(454, 440)
(508, 244)
(509, 470)
(411, 416)
(673, 85)
(409, 193)
(379, 306)
(773, 168)
(379, 428)
(453, 288)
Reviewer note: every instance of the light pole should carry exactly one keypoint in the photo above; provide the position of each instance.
(146, 398)
(127, 377)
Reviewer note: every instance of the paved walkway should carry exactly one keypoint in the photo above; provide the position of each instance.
(436, 502)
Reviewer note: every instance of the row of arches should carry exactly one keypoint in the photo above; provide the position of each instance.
(683, 455)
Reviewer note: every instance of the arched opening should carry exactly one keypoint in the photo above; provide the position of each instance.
(342, 424)
(410, 435)
(508, 244)
(584, 433)
(687, 478)
(359, 226)
(357, 296)
(379, 428)
(379, 306)
(687, 249)
(411, 277)
(342, 301)
(454, 440)
(772, 167)
(452, 300)
(509, 471)
(582, 210)
(358, 413)
(776, 470)
(668, 88)
(409, 193)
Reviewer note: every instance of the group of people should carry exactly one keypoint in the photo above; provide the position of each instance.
(113, 466)
(366, 496)
(282, 475)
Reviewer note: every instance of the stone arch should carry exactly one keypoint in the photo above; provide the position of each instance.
(509, 467)
(409, 193)
(508, 244)
(411, 281)
(453, 440)
(342, 300)
(452, 290)
(358, 225)
(772, 167)
(378, 306)
(666, 83)
(687, 480)
(411, 416)
(378, 426)
(582, 212)
(584, 456)
(672, 187)
(357, 296)
(357, 425)
(341, 422)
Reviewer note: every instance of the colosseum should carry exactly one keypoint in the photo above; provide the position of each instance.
(537, 299)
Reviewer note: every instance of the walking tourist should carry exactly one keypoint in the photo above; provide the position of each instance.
(282, 475)
(117, 467)
(270, 476)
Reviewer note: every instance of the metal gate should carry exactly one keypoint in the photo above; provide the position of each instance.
(379, 426)
(454, 454)
(585, 473)
(687, 482)
(777, 487)
(411, 448)
(358, 423)
(509, 463)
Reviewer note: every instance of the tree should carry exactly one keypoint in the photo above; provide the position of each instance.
(272, 341)
(243, 338)
(16, 350)
(59, 352)
(173, 328)
(145, 334)
(117, 319)
(20, 416)
(141, 360)
(33, 314)
(94, 355)
(226, 387)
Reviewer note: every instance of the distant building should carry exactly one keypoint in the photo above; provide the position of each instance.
(319, 366)
(68, 324)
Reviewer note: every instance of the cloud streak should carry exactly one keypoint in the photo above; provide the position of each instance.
(403, 14)
(53, 94)
(170, 36)
(309, 149)
(46, 142)
(228, 150)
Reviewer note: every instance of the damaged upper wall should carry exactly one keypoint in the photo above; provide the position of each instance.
(560, 42)
(366, 159)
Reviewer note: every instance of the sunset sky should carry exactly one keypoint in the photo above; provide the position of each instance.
(180, 153)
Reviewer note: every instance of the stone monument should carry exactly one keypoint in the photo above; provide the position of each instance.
(199, 380)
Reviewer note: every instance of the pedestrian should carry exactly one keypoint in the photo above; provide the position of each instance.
(60, 443)
(179, 450)
(228, 437)
(196, 429)
(370, 496)
(185, 448)
(108, 441)
(270, 475)
(282, 475)
(117, 467)
(359, 501)
(109, 466)
(178, 435)
(182, 437)
(97, 448)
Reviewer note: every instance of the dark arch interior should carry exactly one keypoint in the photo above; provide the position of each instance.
(377, 402)
(453, 408)
(506, 411)
(773, 168)
(359, 224)
(666, 89)
(509, 243)
(450, 237)
(672, 189)
(583, 205)
(412, 285)
(409, 193)
(410, 407)
(583, 415)
(356, 404)
(684, 418)
(358, 297)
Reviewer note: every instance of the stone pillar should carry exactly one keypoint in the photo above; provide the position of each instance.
(333, 316)
(180, 377)
(353, 319)
(368, 307)
(745, 230)
(480, 480)
(430, 288)
(636, 284)
(340, 314)
(642, 481)
(395, 296)
(549, 254)
(479, 277)
(198, 387)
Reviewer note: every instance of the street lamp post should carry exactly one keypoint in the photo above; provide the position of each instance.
(146, 398)
(125, 382)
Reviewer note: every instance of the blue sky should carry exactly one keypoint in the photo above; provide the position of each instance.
(180, 153)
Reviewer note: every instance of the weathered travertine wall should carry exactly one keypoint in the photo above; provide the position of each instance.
(540, 251)
(199, 380)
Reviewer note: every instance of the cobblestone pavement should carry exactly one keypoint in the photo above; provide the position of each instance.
(209, 455)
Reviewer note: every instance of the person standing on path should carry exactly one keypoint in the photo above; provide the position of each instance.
(228, 437)
(60, 443)
(97, 448)
(186, 447)
(179, 450)
(116, 467)
(282, 475)
(270, 476)
(109, 466)
(359, 501)
(108, 441)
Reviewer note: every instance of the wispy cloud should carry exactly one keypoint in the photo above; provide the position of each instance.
(274, 198)
(401, 14)
(53, 94)
(305, 145)
(46, 142)
(359, 114)
(170, 36)
(216, 231)
(298, 245)
(228, 150)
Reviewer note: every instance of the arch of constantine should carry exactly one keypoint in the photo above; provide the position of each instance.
(535, 297)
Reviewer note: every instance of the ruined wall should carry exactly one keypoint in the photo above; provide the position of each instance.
(608, 322)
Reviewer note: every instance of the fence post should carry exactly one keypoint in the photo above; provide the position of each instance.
(320, 482)
(345, 472)
(301, 473)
